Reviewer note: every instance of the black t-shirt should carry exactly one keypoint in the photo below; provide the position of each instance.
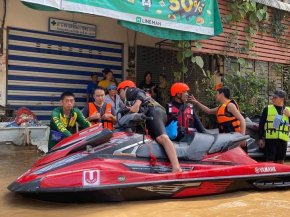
(264, 119)
(150, 108)
(133, 94)
(146, 87)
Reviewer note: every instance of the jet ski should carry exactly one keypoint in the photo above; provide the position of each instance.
(97, 164)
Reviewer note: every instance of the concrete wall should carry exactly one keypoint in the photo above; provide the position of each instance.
(21, 16)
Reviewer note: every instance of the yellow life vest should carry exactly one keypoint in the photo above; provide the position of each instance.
(272, 133)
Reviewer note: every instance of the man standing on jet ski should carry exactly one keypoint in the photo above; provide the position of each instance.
(228, 114)
(275, 139)
(183, 112)
(156, 127)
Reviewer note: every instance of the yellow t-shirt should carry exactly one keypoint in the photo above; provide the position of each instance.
(104, 84)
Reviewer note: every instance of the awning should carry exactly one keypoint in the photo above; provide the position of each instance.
(174, 19)
(275, 4)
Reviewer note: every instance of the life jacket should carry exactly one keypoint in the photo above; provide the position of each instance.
(272, 133)
(184, 117)
(227, 121)
(108, 110)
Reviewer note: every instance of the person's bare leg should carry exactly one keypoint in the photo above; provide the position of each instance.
(170, 151)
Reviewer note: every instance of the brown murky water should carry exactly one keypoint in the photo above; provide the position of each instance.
(15, 160)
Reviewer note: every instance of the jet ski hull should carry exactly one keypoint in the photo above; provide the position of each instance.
(121, 185)
(125, 166)
(154, 190)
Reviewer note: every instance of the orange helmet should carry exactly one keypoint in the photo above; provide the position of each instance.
(178, 88)
(218, 86)
(126, 83)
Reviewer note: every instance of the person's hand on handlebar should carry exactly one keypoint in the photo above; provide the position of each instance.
(135, 108)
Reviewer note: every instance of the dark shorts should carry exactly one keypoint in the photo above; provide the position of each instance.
(156, 127)
(275, 150)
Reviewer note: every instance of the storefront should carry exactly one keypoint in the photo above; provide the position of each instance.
(42, 63)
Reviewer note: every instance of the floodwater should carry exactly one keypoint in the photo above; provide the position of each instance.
(16, 160)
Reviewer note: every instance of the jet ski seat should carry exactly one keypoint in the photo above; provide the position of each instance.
(195, 150)
(199, 146)
(225, 141)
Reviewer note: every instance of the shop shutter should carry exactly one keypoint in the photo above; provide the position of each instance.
(42, 65)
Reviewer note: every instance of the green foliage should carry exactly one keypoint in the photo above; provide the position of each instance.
(208, 83)
(206, 88)
(185, 57)
(283, 71)
(247, 89)
(278, 27)
(242, 10)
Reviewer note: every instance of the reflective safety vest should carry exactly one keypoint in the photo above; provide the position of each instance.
(184, 118)
(227, 121)
(108, 110)
(272, 133)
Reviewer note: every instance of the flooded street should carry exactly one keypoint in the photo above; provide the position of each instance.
(14, 161)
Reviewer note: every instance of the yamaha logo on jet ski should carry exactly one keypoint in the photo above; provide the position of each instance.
(265, 170)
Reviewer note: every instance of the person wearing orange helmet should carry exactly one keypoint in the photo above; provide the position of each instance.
(183, 112)
(156, 127)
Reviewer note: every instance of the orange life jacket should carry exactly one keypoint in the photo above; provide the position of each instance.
(227, 121)
(108, 110)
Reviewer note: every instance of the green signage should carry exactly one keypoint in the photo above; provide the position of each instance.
(174, 19)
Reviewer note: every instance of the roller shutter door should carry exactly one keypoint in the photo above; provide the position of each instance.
(42, 65)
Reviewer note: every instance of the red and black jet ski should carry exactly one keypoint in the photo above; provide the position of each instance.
(97, 164)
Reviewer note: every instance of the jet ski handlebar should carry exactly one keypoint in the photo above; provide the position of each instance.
(125, 119)
(126, 110)
(147, 118)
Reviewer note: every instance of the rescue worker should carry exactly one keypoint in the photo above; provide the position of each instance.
(99, 111)
(64, 118)
(183, 112)
(228, 114)
(275, 139)
(156, 127)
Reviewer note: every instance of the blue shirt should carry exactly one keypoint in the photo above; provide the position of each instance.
(90, 90)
